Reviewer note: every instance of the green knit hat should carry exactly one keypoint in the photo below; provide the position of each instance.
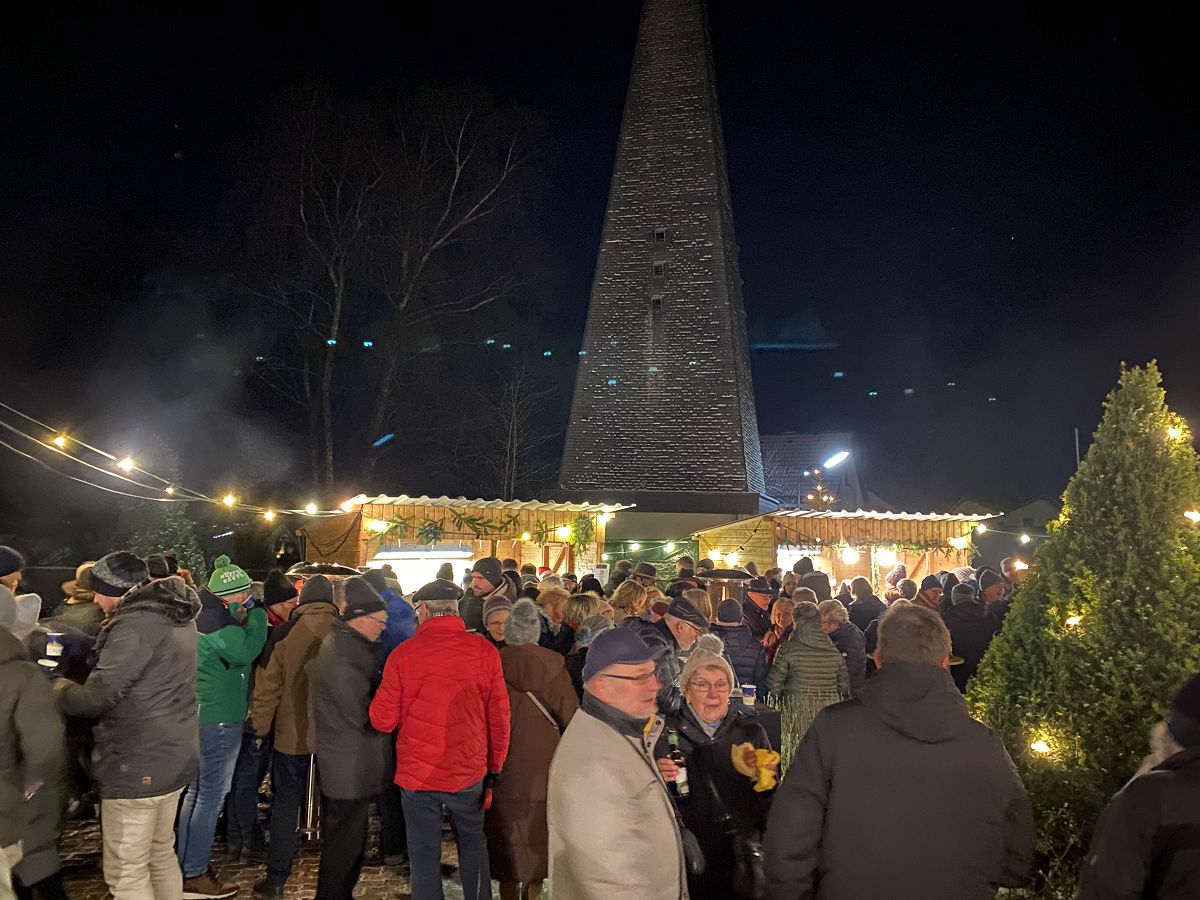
(227, 578)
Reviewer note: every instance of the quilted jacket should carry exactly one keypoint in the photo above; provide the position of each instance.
(443, 689)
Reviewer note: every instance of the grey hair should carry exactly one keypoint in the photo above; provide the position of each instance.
(833, 611)
(1162, 746)
(434, 608)
(806, 611)
(908, 588)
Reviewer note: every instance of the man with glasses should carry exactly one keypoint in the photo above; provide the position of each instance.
(444, 690)
(613, 829)
(351, 755)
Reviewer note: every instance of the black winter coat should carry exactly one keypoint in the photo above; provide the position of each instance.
(757, 618)
(711, 775)
(849, 642)
(1145, 844)
(351, 755)
(745, 653)
(143, 691)
(865, 611)
(903, 758)
(971, 629)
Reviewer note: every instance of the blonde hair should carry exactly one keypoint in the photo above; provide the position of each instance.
(579, 607)
(699, 598)
(629, 597)
(553, 597)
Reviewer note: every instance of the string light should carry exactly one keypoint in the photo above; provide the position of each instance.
(885, 556)
(1174, 433)
(126, 464)
(526, 536)
(850, 556)
(669, 546)
(1020, 565)
(1192, 515)
(718, 556)
(604, 518)
(1025, 539)
(562, 532)
(377, 525)
(269, 515)
(604, 557)
(59, 441)
(635, 547)
(958, 543)
(346, 505)
(170, 489)
(229, 499)
(732, 557)
(310, 508)
(981, 528)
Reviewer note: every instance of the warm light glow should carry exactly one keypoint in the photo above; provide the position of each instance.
(562, 532)
(717, 556)
(635, 547)
(669, 546)
(1072, 621)
(958, 543)
(981, 528)
(1174, 433)
(1039, 746)
(1193, 515)
(837, 459)
(170, 489)
(229, 499)
(850, 556)
(809, 497)
(126, 465)
(604, 557)
(732, 557)
(526, 536)
(377, 525)
(885, 556)
(1025, 539)
(346, 505)
(603, 518)
(269, 515)
(60, 441)
(1020, 565)
(311, 509)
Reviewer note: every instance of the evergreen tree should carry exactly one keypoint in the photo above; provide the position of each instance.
(1104, 630)
(146, 527)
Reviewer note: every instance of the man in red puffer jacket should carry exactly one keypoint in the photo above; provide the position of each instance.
(443, 692)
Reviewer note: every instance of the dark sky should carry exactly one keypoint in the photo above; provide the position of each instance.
(1004, 199)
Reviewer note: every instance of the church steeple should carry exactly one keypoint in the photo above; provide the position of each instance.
(665, 346)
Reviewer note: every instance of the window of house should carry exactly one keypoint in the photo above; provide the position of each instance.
(656, 303)
(660, 235)
(660, 269)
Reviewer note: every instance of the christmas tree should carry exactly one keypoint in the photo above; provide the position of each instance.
(153, 526)
(1104, 629)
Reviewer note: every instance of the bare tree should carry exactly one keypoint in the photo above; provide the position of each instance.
(513, 452)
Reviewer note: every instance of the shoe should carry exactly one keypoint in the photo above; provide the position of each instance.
(206, 887)
(266, 888)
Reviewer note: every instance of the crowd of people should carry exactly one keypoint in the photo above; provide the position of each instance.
(607, 741)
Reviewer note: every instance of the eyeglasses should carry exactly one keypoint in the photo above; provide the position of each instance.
(721, 687)
(640, 679)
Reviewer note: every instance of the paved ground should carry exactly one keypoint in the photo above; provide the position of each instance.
(80, 848)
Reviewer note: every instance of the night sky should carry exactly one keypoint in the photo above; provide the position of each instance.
(1007, 202)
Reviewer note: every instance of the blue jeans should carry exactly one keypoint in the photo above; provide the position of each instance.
(423, 816)
(219, 745)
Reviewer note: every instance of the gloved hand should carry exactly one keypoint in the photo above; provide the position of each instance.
(489, 783)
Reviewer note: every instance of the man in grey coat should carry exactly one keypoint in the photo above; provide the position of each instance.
(903, 758)
(351, 755)
(143, 694)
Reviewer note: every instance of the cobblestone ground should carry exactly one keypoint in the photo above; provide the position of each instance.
(80, 848)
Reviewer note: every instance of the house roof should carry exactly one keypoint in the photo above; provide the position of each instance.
(478, 503)
(787, 457)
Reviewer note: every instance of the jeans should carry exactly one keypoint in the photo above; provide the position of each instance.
(289, 782)
(202, 803)
(241, 809)
(343, 844)
(139, 848)
(423, 815)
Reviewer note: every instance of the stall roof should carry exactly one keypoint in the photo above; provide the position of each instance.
(479, 503)
(863, 515)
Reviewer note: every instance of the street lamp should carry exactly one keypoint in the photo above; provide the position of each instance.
(837, 459)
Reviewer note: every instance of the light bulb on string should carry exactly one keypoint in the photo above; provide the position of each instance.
(958, 543)
(732, 557)
(127, 464)
(635, 547)
(885, 556)
(981, 528)
(269, 515)
(562, 532)
(170, 489)
(311, 509)
(1025, 539)
(603, 518)
(526, 536)
(669, 546)
(850, 556)
(379, 526)
(229, 500)
(60, 441)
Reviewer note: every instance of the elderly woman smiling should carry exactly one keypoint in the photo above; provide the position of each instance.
(722, 806)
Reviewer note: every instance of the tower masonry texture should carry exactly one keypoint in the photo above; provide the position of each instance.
(663, 397)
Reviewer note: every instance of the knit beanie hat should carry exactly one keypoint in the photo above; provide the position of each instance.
(962, 593)
(489, 569)
(551, 578)
(929, 582)
(446, 571)
(524, 624)
(361, 599)
(963, 573)
(592, 628)
(118, 573)
(803, 566)
(10, 561)
(988, 578)
(317, 590)
(729, 612)
(277, 589)
(157, 566)
(590, 584)
(495, 605)
(703, 659)
(227, 578)
(1183, 718)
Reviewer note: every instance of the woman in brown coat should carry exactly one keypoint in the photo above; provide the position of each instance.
(517, 836)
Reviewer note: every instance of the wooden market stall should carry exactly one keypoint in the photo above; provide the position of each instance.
(846, 543)
(563, 536)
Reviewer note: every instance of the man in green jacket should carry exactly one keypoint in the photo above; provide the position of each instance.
(230, 639)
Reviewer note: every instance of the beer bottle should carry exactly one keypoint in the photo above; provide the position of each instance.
(676, 756)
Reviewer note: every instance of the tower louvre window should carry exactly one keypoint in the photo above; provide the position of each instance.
(660, 269)
(656, 304)
(660, 235)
